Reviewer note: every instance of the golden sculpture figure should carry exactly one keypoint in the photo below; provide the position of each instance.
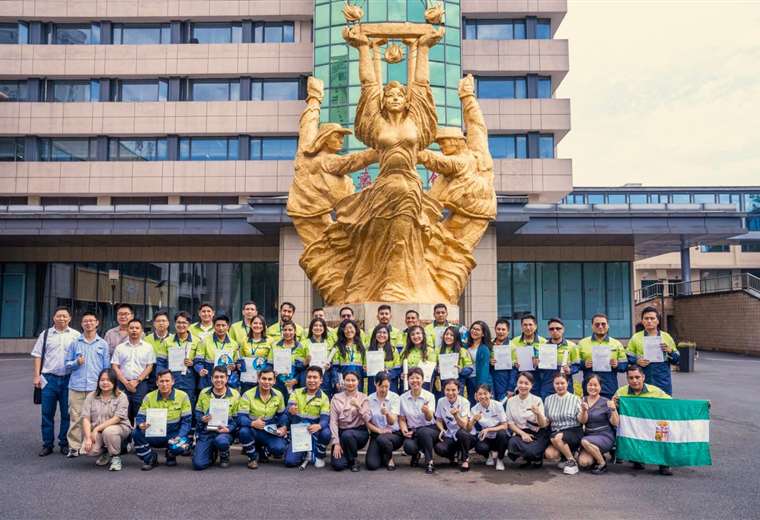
(466, 167)
(321, 176)
(389, 242)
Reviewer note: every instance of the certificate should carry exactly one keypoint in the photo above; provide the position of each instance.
(300, 438)
(600, 358)
(375, 362)
(428, 367)
(282, 361)
(438, 331)
(503, 356)
(250, 375)
(447, 365)
(219, 410)
(653, 349)
(547, 356)
(156, 419)
(177, 359)
(318, 353)
(525, 358)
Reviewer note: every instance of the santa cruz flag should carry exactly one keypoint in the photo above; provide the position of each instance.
(669, 432)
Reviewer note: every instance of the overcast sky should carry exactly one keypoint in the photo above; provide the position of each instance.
(663, 92)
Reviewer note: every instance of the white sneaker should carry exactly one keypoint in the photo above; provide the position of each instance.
(319, 463)
(115, 464)
(491, 459)
(571, 468)
(499, 465)
(103, 460)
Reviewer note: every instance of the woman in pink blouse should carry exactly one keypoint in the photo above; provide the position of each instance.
(349, 415)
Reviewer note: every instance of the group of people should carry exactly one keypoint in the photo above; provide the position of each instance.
(284, 391)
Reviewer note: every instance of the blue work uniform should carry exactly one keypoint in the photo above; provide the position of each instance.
(311, 409)
(503, 380)
(609, 379)
(178, 423)
(210, 440)
(656, 373)
(546, 375)
(519, 341)
(272, 412)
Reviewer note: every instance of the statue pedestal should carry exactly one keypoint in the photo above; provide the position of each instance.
(365, 314)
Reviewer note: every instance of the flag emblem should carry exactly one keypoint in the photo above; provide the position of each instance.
(662, 431)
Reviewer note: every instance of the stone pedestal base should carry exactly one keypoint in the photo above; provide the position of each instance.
(366, 313)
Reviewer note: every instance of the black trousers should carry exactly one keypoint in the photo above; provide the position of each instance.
(351, 441)
(461, 443)
(381, 447)
(422, 440)
(531, 451)
(497, 444)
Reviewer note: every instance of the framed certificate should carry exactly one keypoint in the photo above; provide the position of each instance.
(250, 375)
(375, 362)
(156, 419)
(318, 353)
(653, 349)
(219, 410)
(503, 356)
(282, 361)
(300, 438)
(176, 359)
(600, 358)
(525, 358)
(547, 356)
(447, 365)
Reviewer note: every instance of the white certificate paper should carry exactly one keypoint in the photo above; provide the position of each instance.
(600, 358)
(318, 353)
(250, 375)
(652, 349)
(447, 365)
(156, 419)
(177, 359)
(525, 358)
(282, 361)
(300, 438)
(502, 354)
(375, 362)
(547, 356)
(428, 367)
(219, 410)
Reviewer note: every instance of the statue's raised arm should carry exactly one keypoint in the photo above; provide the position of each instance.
(309, 122)
(477, 132)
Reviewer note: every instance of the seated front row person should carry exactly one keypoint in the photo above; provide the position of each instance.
(215, 437)
(262, 420)
(491, 422)
(105, 421)
(349, 415)
(179, 415)
(310, 405)
(563, 410)
(416, 419)
(385, 434)
(600, 417)
(452, 415)
(526, 419)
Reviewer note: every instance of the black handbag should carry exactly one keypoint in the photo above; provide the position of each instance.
(38, 390)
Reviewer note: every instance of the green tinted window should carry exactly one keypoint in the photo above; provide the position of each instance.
(322, 16)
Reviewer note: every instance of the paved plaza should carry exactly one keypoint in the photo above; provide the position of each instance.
(54, 486)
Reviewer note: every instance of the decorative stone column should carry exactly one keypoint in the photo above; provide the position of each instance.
(479, 301)
(294, 286)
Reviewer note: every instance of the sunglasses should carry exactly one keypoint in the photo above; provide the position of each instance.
(555, 328)
(600, 324)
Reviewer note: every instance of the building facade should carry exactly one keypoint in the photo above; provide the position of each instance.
(146, 152)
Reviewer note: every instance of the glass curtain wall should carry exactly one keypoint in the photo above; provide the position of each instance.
(574, 291)
(30, 292)
(336, 64)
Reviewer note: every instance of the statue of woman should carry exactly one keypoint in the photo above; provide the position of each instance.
(321, 175)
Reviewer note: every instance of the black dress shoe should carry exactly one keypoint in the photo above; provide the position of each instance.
(415, 460)
(64, 450)
(665, 470)
(44, 452)
(638, 466)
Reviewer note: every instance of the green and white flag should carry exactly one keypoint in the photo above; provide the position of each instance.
(669, 432)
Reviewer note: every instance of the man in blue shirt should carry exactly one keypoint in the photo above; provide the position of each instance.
(85, 357)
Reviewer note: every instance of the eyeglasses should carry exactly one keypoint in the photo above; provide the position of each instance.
(555, 328)
(600, 324)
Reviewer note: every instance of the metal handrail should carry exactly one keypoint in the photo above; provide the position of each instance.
(717, 284)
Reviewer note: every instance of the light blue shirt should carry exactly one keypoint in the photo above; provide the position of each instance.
(84, 377)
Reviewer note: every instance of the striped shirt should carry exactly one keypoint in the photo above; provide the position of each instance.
(563, 411)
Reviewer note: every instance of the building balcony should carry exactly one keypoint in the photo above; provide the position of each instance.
(513, 8)
(150, 118)
(541, 180)
(527, 115)
(516, 57)
(133, 61)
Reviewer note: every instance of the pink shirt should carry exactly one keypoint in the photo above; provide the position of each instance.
(344, 415)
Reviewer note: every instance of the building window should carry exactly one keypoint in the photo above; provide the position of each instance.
(595, 198)
(31, 291)
(10, 33)
(730, 198)
(214, 90)
(273, 32)
(752, 202)
(637, 198)
(11, 149)
(208, 148)
(12, 90)
(658, 198)
(69, 201)
(544, 87)
(717, 248)
(68, 149)
(574, 291)
(616, 198)
(546, 146)
(750, 247)
(70, 91)
(141, 34)
(14, 201)
(76, 34)
(543, 29)
(575, 198)
(680, 198)
(704, 198)
(139, 201)
(495, 29)
(208, 200)
(216, 33)
(131, 149)
(275, 90)
(142, 90)
(508, 146)
(273, 148)
(502, 88)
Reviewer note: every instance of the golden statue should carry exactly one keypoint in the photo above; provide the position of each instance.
(389, 242)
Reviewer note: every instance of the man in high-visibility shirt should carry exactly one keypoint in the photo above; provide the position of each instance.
(657, 372)
(312, 406)
(618, 359)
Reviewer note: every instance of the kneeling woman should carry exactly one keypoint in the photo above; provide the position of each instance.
(525, 415)
(417, 424)
(452, 416)
(385, 434)
(349, 415)
(489, 418)
(600, 416)
(563, 410)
